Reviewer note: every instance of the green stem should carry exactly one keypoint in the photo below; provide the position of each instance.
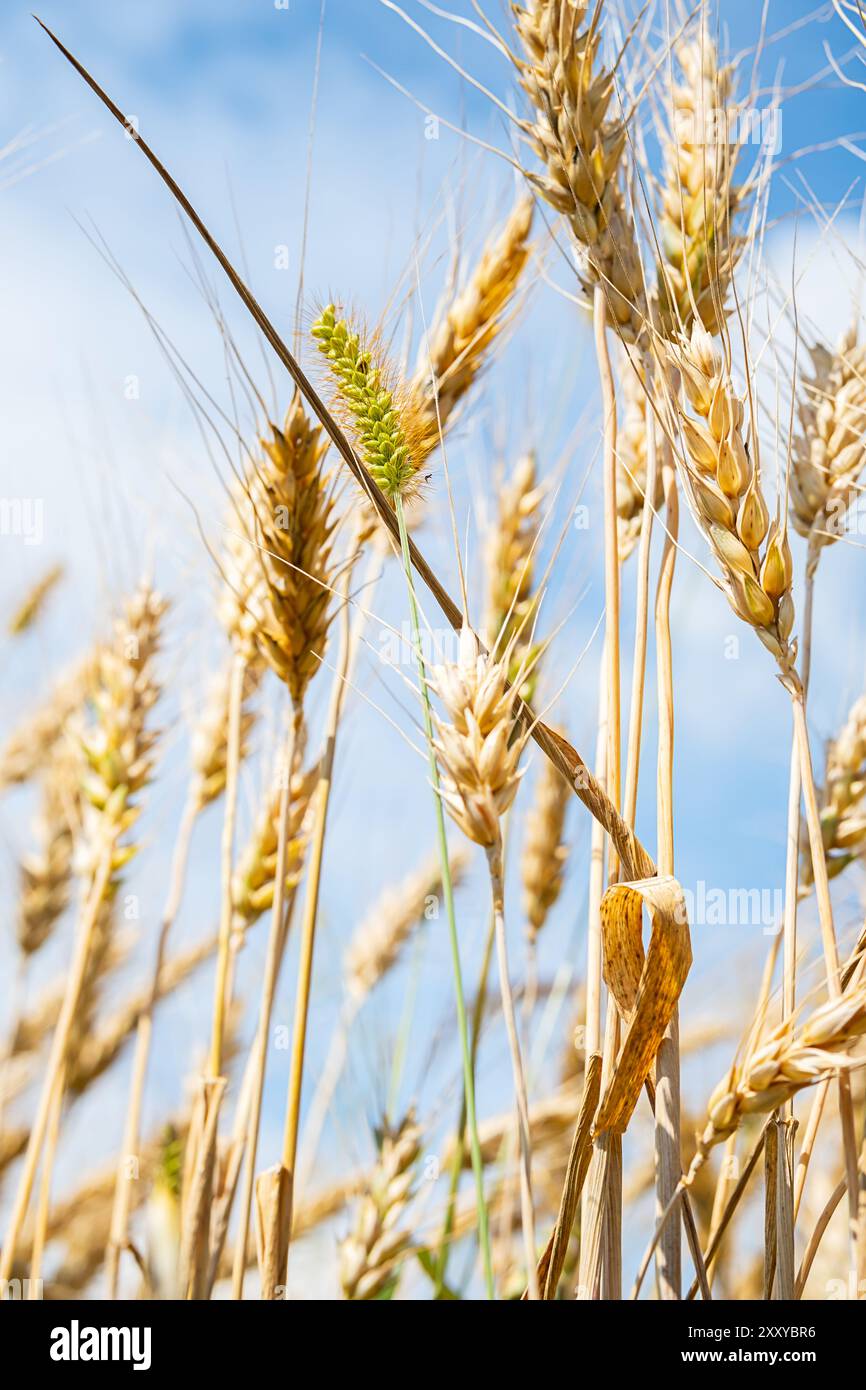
(460, 1137)
(448, 893)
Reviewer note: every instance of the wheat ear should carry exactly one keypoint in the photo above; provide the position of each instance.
(510, 563)
(828, 453)
(32, 605)
(461, 339)
(119, 752)
(781, 1063)
(699, 199)
(582, 148)
(370, 1255)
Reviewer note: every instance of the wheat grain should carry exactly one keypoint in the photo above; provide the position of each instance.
(30, 746)
(393, 437)
(45, 874)
(478, 745)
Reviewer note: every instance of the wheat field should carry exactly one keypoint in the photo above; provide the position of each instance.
(433, 750)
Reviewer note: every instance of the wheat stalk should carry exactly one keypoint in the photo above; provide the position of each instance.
(631, 459)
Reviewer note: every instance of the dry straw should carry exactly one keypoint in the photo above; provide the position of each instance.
(631, 459)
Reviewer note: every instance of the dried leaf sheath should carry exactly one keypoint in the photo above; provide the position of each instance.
(645, 985)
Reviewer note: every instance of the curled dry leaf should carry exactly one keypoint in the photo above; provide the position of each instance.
(645, 984)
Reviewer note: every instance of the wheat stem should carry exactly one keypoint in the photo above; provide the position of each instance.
(460, 1140)
(56, 1059)
(831, 954)
(144, 1031)
(667, 1104)
(494, 862)
(220, 1004)
(448, 892)
(276, 942)
(311, 901)
(43, 1205)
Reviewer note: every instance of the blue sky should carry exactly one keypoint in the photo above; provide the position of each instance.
(222, 90)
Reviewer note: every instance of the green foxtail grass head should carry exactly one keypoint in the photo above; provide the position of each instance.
(370, 398)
